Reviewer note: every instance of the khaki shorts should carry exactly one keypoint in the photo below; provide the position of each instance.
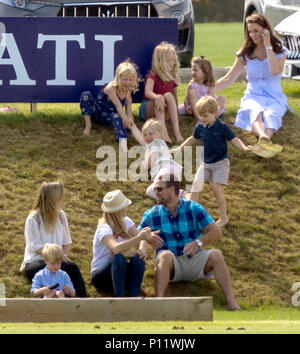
(218, 172)
(190, 268)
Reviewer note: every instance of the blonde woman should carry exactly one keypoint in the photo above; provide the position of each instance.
(161, 90)
(113, 105)
(119, 249)
(48, 223)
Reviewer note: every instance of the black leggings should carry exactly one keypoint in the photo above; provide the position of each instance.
(70, 268)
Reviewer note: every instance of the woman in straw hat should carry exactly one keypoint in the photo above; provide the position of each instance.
(48, 223)
(119, 249)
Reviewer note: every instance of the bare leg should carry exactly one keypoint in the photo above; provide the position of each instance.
(88, 124)
(221, 102)
(269, 132)
(153, 112)
(221, 201)
(217, 263)
(173, 113)
(193, 98)
(258, 128)
(163, 272)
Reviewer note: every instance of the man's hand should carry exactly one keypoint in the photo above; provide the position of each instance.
(155, 241)
(191, 248)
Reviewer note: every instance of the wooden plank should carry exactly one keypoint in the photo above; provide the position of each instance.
(33, 107)
(107, 309)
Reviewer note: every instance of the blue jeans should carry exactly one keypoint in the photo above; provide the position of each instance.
(119, 275)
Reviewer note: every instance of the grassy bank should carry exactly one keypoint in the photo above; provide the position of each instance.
(260, 244)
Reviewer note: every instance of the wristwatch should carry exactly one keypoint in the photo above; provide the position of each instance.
(269, 47)
(199, 243)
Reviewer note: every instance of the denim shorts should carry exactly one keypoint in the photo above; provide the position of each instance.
(142, 110)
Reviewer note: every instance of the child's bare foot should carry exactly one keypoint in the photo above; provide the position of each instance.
(87, 131)
(264, 137)
(222, 223)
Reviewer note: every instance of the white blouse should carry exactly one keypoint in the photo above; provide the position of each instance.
(164, 157)
(102, 256)
(36, 235)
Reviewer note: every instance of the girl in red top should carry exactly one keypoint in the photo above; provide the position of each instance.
(161, 90)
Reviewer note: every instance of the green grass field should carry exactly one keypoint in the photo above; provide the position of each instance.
(218, 41)
(260, 244)
(269, 320)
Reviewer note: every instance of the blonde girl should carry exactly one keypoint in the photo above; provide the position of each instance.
(119, 249)
(202, 84)
(161, 90)
(113, 105)
(48, 223)
(158, 159)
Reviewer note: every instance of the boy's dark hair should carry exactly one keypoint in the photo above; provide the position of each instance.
(171, 181)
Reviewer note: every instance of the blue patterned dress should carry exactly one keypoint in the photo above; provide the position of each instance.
(103, 111)
(263, 95)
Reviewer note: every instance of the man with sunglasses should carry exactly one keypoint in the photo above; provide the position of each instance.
(185, 226)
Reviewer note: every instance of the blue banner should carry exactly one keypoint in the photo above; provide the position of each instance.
(55, 59)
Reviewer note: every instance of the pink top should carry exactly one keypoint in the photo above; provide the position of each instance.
(160, 87)
(201, 90)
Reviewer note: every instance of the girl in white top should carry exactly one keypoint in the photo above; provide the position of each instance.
(158, 159)
(48, 223)
(119, 249)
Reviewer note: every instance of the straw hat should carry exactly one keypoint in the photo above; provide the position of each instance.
(115, 201)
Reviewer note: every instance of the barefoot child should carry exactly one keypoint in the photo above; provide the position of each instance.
(157, 156)
(43, 283)
(113, 105)
(202, 84)
(214, 134)
(161, 90)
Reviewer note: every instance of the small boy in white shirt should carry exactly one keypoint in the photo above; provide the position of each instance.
(52, 282)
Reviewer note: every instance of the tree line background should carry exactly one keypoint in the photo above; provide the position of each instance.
(218, 10)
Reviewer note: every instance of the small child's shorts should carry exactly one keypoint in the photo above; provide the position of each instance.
(218, 172)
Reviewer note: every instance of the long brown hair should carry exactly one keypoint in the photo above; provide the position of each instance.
(48, 203)
(249, 46)
(116, 222)
(207, 69)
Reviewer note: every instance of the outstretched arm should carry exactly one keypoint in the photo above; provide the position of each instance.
(240, 145)
(231, 76)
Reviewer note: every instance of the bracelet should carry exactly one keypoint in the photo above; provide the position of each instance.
(269, 47)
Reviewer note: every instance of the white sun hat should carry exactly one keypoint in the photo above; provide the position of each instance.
(115, 201)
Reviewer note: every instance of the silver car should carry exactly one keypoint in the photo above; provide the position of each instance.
(274, 10)
(182, 10)
(289, 31)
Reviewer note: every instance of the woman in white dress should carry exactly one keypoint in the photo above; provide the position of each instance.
(48, 223)
(263, 55)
